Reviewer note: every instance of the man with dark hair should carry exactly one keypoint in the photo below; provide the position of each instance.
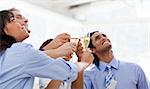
(109, 73)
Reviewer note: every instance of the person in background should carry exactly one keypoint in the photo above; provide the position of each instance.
(56, 84)
(20, 62)
(108, 72)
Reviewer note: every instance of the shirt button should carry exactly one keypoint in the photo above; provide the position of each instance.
(68, 78)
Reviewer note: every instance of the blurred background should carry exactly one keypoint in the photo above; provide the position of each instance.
(126, 22)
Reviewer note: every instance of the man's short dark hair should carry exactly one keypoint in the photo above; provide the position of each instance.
(90, 43)
(96, 60)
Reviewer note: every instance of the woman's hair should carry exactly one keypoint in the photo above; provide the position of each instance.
(5, 40)
(45, 43)
(95, 61)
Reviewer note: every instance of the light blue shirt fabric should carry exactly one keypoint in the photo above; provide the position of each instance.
(127, 75)
(20, 63)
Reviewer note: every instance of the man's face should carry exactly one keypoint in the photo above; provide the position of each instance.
(22, 20)
(100, 42)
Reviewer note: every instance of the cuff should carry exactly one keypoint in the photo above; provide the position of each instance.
(73, 72)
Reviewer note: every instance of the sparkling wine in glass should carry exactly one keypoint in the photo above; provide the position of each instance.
(85, 40)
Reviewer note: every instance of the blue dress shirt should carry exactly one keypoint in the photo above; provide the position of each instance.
(127, 75)
(20, 63)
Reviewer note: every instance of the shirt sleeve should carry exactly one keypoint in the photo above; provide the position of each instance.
(38, 64)
(142, 80)
(87, 81)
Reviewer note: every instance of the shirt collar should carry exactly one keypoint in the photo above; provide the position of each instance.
(114, 64)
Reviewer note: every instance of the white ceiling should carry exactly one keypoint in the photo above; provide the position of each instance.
(59, 6)
(95, 12)
(59, 3)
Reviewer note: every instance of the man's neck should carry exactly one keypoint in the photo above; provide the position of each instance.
(105, 56)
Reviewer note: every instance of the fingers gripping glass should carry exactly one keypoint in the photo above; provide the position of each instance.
(84, 40)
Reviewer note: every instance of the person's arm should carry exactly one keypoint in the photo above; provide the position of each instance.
(142, 80)
(58, 41)
(38, 64)
(54, 84)
(53, 53)
(78, 83)
(86, 59)
(64, 50)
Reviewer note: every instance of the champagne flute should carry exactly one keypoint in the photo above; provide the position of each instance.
(85, 40)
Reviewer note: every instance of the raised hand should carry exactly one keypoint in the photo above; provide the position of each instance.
(79, 51)
(58, 41)
(66, 49)
(87, 56)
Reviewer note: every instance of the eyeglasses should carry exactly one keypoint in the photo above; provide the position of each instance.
(12, 18)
